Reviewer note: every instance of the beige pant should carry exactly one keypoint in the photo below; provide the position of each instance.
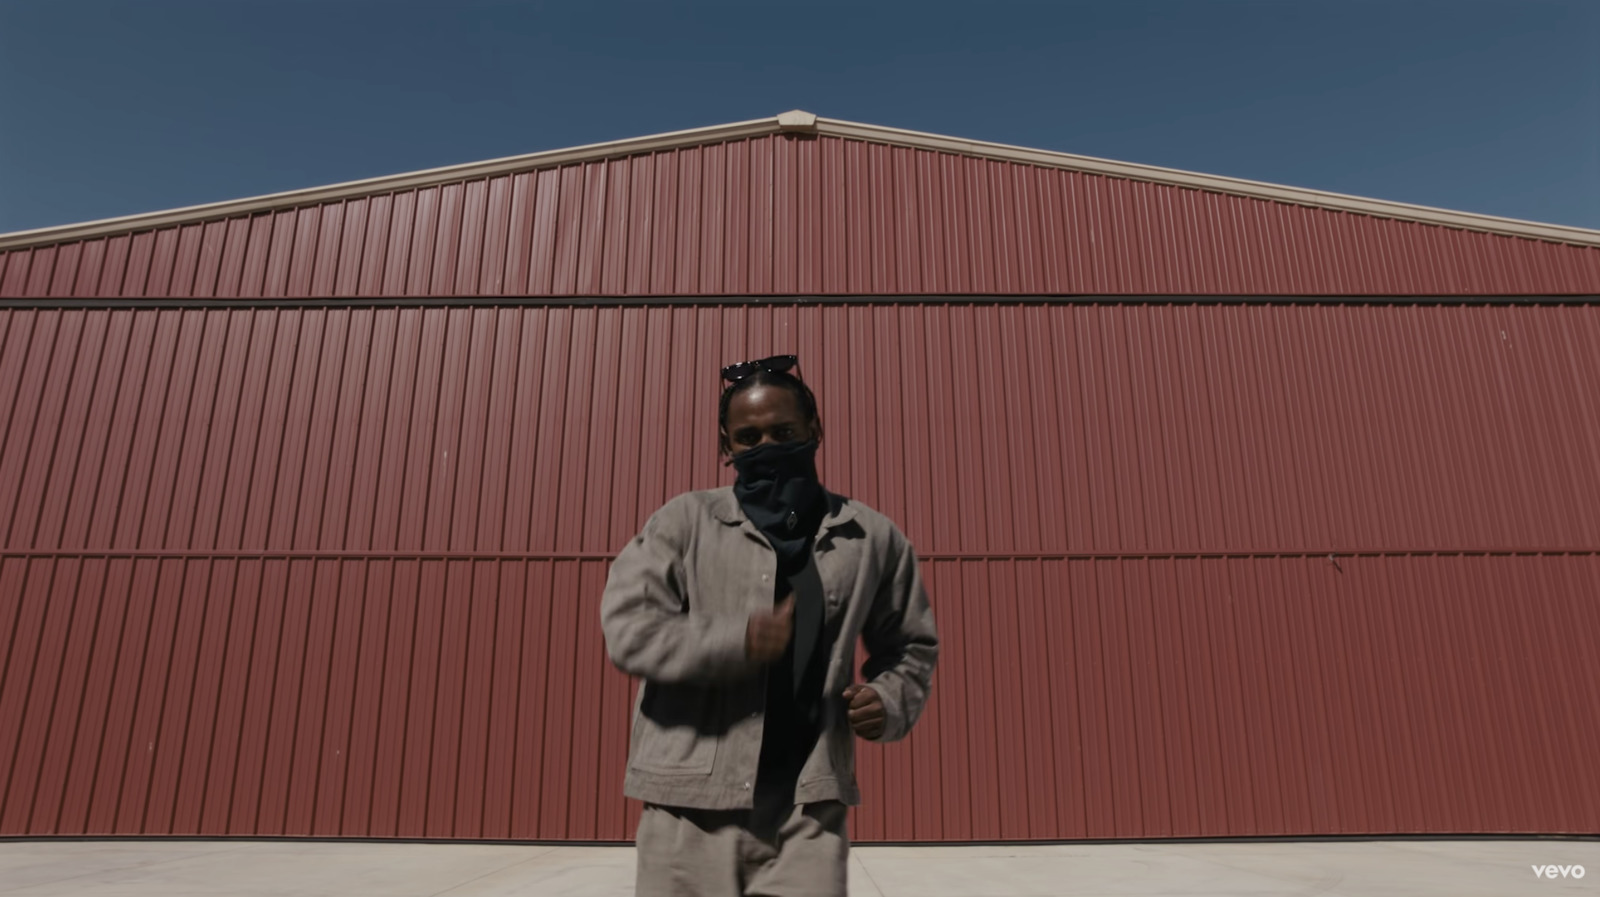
(708, 853)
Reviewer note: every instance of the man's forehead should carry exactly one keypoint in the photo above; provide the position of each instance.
(764, 402)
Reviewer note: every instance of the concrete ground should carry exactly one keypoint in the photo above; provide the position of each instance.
(1457, 868)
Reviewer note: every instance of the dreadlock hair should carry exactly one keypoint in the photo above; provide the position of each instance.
(779, 379)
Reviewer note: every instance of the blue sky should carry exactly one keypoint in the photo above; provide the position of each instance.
(112, 108)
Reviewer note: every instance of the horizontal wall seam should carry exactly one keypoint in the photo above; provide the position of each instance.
(795, 299)
(313, 555)
(42, 304)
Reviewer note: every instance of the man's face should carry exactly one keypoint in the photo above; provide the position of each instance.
(762, 415)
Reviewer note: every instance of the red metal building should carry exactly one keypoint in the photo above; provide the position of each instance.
(1245, 510)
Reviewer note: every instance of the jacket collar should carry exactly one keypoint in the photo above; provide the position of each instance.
(725, 507)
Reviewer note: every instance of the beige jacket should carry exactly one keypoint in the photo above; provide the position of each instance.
(674, 614)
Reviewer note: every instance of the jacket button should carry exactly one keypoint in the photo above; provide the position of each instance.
(745, 786)
(764, 577)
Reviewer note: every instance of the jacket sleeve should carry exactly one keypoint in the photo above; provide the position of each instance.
(651, 630)
(902, 643)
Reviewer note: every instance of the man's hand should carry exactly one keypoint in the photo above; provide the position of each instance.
(867, 715)
(767, 635)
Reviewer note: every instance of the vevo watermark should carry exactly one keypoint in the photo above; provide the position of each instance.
(1558, 872)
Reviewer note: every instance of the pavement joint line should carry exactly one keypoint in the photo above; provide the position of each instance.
(137, 864)
(1473, 859)
(868, 872)
(512, 865)
(1276, 877)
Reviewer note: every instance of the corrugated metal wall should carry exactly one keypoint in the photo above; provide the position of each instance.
(335, 571)
(789, 215)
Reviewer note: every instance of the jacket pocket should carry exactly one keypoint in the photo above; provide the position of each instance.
(676, 730)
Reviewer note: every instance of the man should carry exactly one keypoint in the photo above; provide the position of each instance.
(740, 609)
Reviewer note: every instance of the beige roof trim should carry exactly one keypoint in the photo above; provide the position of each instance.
(805, 122)
(1213, 183)
(388, 183)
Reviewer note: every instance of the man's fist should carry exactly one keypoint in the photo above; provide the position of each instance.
(867, 715)
(767, 635)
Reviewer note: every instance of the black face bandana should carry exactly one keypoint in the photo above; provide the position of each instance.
(780, 493)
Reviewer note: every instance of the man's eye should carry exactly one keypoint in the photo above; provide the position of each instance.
(783, 434)
(748, 438)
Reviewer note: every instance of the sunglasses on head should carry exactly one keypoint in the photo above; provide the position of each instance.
(776, 364)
